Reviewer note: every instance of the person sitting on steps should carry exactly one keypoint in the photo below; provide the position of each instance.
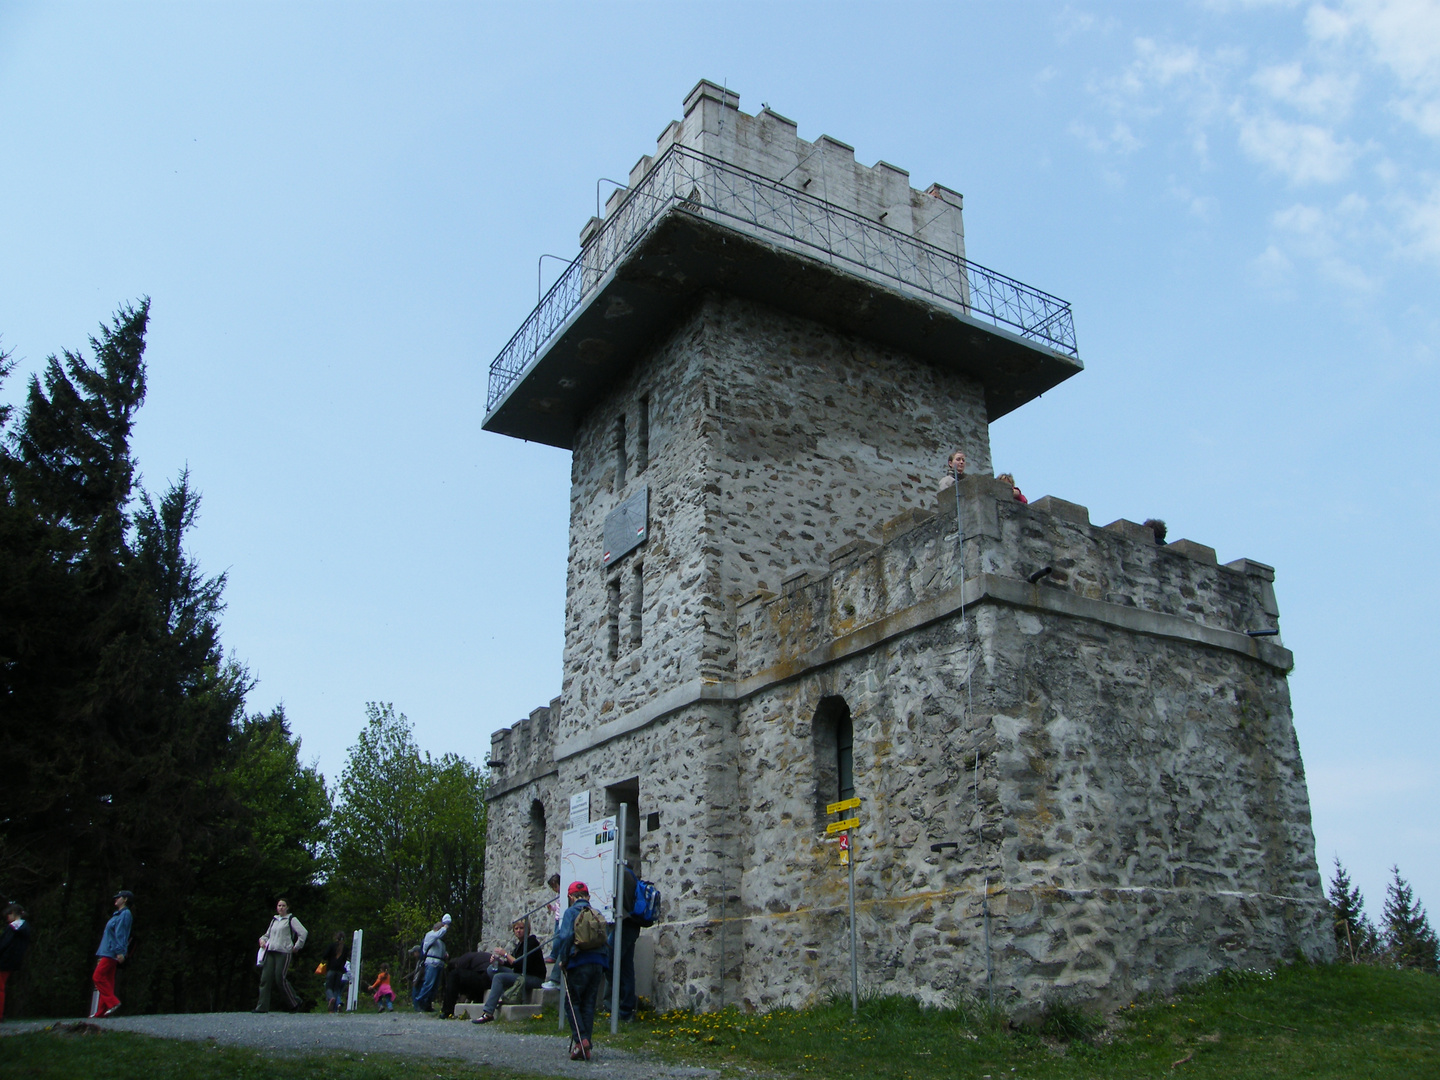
(529, 965)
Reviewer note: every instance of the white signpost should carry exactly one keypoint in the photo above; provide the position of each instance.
(352, 996)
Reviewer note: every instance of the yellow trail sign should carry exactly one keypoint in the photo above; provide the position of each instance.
(841, 826)
(843, 804)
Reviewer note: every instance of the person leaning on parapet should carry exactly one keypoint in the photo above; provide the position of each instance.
(114, 943)
(432, 956)
(523, 961)
(14, 941)
(282, 939)
(954, 469)
(585, 970)
(468, 974)
(1156, 527)
(1006, 478)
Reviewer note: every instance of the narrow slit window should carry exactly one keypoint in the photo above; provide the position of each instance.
(833, 743)
(613, 645)
(537, 842)
(642, 437)
(620, 462)
(637, 604)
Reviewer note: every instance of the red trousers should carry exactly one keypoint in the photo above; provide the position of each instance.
(104, 980)
(3, 976)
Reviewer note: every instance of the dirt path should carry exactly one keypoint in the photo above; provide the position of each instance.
(407, 1034)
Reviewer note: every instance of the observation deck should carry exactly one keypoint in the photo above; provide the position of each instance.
(691, 221)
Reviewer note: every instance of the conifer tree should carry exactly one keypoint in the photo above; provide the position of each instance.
(128, 762)
(1409, 940)
(1355, 935)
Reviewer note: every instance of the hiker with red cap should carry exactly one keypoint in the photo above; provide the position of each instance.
(581, 952)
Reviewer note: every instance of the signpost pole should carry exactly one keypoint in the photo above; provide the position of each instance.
(352, 996)
(854, 971)
(619, 910)
(848, 827)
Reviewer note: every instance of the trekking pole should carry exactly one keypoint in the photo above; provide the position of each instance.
(574, 1018)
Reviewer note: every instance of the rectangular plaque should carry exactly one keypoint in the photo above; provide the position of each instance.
(626, 526)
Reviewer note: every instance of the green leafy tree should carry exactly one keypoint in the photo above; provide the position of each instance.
(408, 839)
(1409, 940)
(1355, 935)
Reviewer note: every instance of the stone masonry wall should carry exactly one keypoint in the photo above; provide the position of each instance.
(1142, 813)
(772, 440)
(1141, 817)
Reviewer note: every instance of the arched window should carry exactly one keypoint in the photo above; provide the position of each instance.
(833, 736)
(537, 842)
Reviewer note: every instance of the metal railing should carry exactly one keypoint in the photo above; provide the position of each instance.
(686, 181)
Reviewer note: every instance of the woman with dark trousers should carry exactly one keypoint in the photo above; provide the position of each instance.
(334, 961)
(14, 941)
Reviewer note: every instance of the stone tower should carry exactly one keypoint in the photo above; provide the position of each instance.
(759, 363)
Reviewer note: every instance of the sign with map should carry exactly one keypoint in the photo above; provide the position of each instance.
(587, 854)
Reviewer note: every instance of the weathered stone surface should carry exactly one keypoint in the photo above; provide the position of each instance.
(1111, 755)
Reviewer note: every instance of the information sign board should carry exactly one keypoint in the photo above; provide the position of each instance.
(587, 854)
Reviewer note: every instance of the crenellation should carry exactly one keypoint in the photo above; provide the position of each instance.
(1081, 711)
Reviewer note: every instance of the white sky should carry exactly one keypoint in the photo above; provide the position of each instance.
(337, 210)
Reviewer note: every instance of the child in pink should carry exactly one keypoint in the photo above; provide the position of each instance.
(384, 995)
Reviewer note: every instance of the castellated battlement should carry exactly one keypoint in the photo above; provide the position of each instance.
(769, 145)
(1116, 575)
(525, 750)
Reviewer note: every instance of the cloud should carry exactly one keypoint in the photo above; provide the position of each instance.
(1401, 35)
(1120, 139)
(1420, 220)
(1302, 153)
(1327, 94)
(1327, 238)
(1163, 64)
(1272, 268)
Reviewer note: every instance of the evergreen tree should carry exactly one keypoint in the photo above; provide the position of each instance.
(1409, 940)
(1355, 936)
(128, 759)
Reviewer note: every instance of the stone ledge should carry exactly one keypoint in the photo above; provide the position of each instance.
(499, 785)
(983, 588)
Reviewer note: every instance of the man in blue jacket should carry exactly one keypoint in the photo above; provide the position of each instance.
(585, 971)
(113, 945)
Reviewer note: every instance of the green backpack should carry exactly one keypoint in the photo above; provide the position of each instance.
(590, 930)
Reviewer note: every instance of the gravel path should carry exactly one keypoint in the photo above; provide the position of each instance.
(408, 1034)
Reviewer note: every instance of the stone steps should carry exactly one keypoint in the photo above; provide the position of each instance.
(539, 1001)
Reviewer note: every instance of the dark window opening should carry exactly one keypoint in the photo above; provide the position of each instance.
(832, 734)
(620, 463)
(642, 437)
(537, 843)
(845, 757)
(637, 602)
(627, 792)
(612, 647)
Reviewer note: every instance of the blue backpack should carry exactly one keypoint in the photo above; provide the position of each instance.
(646, 909)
